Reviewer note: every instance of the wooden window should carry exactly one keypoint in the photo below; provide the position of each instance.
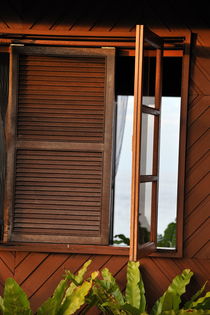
(144, 175)
(146, 146)
(59, 142)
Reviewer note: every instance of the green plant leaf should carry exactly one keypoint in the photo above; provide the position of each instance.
(142, 307)
(202, 302)
(109, 284)
(188, 304)
(52, 305)
(76, 299)
(113, 308)
(190, 312)
(77, 279)
(171, 312)
(172, 297)
(122, 239)
(80, 275)
(15, 300)
(105, 301)
(2, 308)
(130, 309)
(132, 292)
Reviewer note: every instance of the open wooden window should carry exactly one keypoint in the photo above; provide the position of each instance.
(59, 144)
(145, 196)
(146, 124)
(60, 149)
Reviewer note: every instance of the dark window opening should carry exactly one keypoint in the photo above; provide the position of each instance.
(172, 71)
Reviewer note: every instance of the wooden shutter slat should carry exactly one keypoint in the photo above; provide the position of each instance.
(62, 213)
(28, 79)
(63, 84)
(54, 207)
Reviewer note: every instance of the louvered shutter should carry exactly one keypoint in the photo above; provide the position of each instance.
(59, 135)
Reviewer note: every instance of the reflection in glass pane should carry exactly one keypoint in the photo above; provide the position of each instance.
(145, 212)
(168, 172)
(149, 71)
(148, 101)
(147, 140)
(122, 196)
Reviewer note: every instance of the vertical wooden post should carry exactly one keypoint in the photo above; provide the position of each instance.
(136, 144)
(10, 135)
(156, 145)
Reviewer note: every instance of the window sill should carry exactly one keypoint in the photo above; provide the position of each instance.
(66, 248)
(167, 253)
(84, 249)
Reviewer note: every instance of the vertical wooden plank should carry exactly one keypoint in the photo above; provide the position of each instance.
(136, 148)
(108, 145)
(156, 145)
(182, 145)
(4, 72)
(10, 134)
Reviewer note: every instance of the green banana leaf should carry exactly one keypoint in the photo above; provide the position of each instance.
(171, 299)
(135, 293)
(15, 300)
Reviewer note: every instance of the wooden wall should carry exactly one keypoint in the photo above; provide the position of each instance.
(38, 273)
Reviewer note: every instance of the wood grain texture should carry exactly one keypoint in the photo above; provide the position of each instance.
(196, 228)
(39, 273)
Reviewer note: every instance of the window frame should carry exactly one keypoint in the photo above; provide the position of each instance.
(185, 37)
(143, 35)
(126, 41)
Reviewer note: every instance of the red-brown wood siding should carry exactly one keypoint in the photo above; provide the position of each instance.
(38, 273)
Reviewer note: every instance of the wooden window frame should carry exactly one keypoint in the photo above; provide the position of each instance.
(143, 35)
(126, 41)
(151, 247)
(184, 53)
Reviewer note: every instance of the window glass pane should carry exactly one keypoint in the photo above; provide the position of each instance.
(122, 196)
(147, 140)
(145, 212)
(168, 172)
(148, 101)
(149, 70)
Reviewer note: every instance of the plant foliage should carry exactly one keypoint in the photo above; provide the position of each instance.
(74, 291)
(107, 296)
(67, 298)
(14, 300)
